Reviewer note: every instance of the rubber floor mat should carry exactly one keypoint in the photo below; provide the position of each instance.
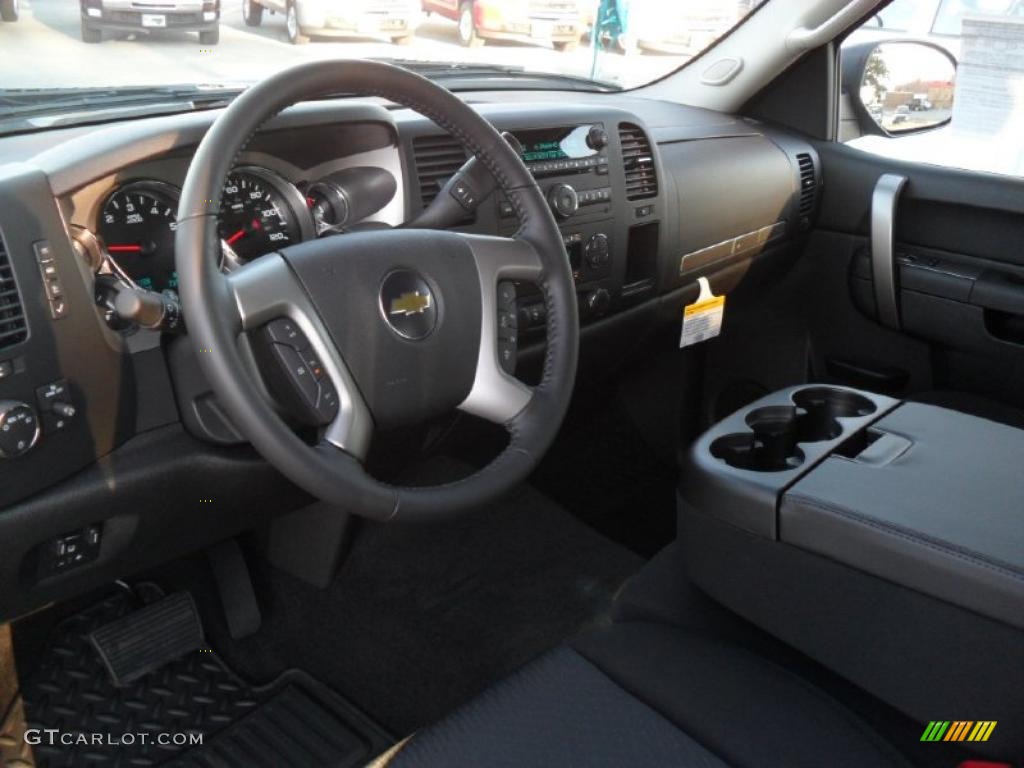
(160, 718)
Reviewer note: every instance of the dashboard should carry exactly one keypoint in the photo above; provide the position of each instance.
(113, 433)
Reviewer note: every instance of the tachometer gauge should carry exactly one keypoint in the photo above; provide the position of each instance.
(259, 213)
(137, 227)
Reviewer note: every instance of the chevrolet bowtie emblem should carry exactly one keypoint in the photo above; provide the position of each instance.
(408, 304)
(411, 303)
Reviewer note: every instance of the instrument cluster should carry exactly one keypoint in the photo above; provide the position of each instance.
(260, 212)
(131, 244)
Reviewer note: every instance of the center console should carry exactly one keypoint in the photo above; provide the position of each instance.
(571, 165)
(599, 170)
(884, 539)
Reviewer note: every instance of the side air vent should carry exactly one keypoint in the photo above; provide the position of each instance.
(437, 159)
(638, 160)
(808, 187)
(13, 328)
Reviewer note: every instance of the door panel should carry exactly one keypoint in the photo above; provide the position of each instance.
(975, 214)
(959, 269)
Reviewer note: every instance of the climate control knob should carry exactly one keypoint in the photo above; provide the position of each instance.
(19, 428)
(563, 200)
(598, 302)
(598, 251)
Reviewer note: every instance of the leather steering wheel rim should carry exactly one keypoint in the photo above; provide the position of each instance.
(218, 307)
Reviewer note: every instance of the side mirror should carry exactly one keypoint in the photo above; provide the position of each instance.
(898, 87)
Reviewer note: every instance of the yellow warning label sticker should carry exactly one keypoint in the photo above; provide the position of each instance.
(702, 320)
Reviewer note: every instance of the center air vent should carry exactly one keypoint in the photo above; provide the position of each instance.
(638, 160)
(13, 328)
(437, 159)
(808, 187)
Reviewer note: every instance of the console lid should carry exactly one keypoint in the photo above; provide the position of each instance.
(941, 510)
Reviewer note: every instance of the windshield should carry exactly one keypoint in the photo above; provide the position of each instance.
(62, 44)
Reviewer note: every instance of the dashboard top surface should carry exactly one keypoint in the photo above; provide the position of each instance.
(72, 157)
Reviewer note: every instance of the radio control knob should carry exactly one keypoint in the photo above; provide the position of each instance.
(597, 138)
(563, 200)
(19, 428)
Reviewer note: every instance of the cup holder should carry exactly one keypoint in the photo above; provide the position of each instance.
(823, 406)
(772, 445)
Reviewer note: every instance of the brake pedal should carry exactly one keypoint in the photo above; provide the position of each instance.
(149, 638)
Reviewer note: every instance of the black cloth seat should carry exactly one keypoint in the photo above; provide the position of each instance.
(642, 694)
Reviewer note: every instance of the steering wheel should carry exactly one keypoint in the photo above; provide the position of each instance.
(404, 322)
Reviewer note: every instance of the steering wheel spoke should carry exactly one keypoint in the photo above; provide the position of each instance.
(266, 290)
(496, 395)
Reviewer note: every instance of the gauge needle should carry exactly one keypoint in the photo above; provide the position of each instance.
(235, 237)
(124, 248)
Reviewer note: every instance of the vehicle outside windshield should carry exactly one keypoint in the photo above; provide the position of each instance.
(90, 43)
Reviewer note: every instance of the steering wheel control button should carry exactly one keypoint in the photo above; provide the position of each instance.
(508, 327)
(507, 353)
(285, 331)
(295, 375)
(327, 404)
(312, 363)
(508, 317)
(408, 304)
(506, 295)
(19, 428)
(299, 373)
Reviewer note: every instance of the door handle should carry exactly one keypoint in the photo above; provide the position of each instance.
(883, 247)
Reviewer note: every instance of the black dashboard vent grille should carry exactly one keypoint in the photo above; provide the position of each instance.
(13, 328)
(808, 185)
(638, 160)
(437, 159)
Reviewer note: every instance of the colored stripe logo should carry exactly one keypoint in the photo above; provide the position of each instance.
(958, 730)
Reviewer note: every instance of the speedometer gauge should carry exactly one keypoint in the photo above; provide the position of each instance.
(255, 214)
(137, 227)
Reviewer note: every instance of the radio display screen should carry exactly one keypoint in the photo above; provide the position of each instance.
(555, 144)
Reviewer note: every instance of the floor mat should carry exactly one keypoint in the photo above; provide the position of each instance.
(422, 617)
(295, 721)
(14, 750)
(603, 470)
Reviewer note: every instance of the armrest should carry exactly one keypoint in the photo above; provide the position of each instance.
(943, 516)
(999, 291)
